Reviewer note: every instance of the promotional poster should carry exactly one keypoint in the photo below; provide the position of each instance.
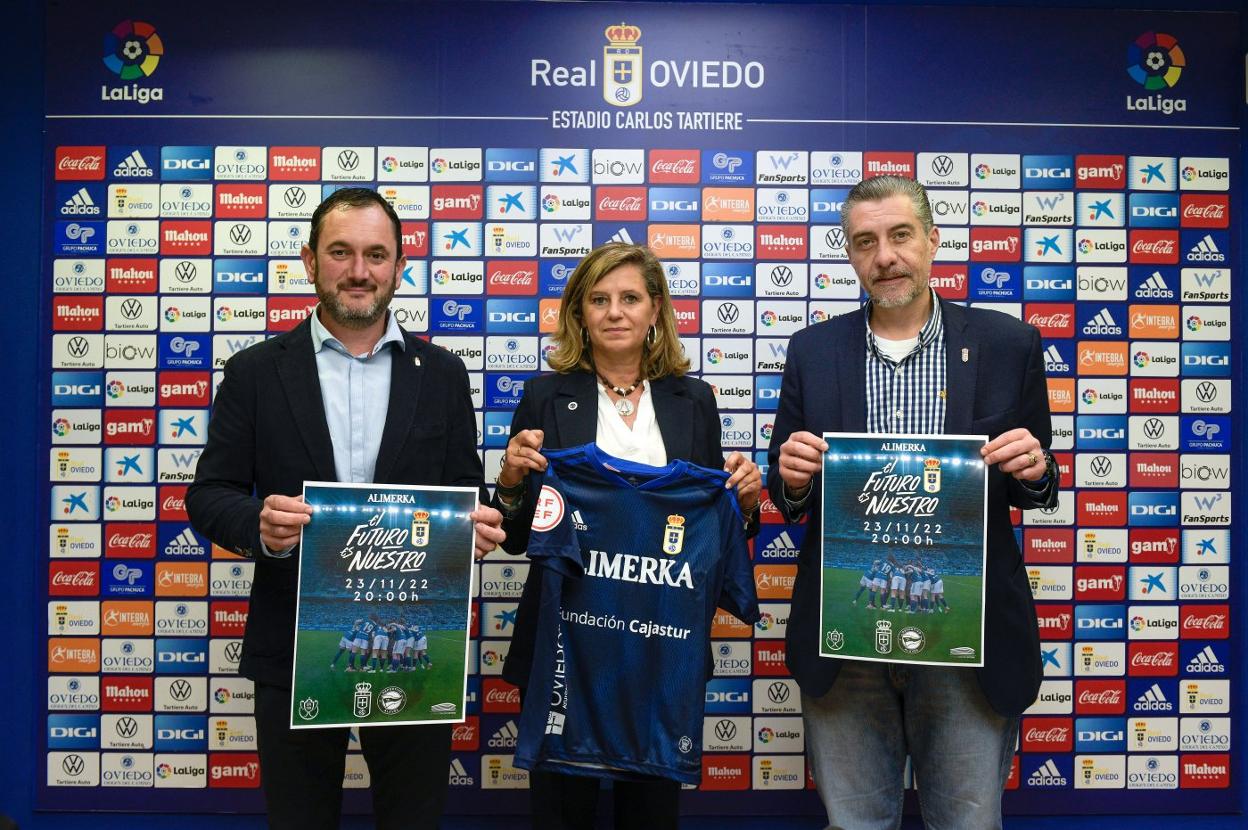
(381, 633)
(903, 548)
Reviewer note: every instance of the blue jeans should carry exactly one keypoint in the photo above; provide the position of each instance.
(859, 733)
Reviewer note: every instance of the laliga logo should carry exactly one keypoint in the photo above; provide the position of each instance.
(131, 51)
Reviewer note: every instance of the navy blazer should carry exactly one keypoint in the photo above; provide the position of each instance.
(268, 434)
(565, 408)
(995, 382)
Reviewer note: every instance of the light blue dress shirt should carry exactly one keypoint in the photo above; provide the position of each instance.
(356, 392)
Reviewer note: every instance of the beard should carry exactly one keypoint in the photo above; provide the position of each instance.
(355, 317)
(894, 300)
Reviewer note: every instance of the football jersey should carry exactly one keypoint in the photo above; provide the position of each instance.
(634, 560)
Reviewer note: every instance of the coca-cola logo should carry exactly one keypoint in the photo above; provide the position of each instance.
(673, 166)
(139, 540)
(1157, 247)
(85, 163)
(1209, 622)
(174, 503)
(1050, 321)
(626, 204)
(1204, 211)
(464, 732)
(1052, 735)
(1158, 659)
(1102, 697)
(522, 278)
(508, 696)
(77, 579)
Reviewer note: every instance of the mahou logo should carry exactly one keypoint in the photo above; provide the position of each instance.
(1047, 735)
(725, 772)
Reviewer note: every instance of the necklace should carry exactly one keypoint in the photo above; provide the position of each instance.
(623, 406)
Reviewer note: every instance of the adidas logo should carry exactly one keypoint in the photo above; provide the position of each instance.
(80, 204)
(505, 737)
(621, 235)
(459, 776)
(1053, 360)
(1153, 700)
(1103, 323)
(781, 547)
(578, 522)
(184, 544)
(1048, 775)
(133, 166)
(1206, 250)
(1155, 287)
(1205, 662)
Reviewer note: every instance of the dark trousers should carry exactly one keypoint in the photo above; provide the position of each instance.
(568, 802)
(301, 769)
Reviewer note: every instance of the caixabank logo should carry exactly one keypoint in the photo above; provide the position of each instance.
(132, 51)
(1155, 61)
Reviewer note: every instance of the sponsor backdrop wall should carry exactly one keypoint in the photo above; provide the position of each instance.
(1089, 189)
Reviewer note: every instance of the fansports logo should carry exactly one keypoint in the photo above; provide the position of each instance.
(132, 49)
(1155, 61)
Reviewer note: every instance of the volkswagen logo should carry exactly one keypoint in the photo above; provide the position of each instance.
(185, 271)
(234, 651)
(295, 197)
(180, 689)
(942, 165)
(127, 727)
(348, 159)
(73, 764)
(835, 237)
(727, 313)
(725, 730)
(782, 275)
(1154, 428)
(1206, 391)
(78, 346)
(240, 234)
(1101, 465)
(131, 308)
(778, 692)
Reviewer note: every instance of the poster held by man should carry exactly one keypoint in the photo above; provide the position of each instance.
(903, 548)
(381, 631)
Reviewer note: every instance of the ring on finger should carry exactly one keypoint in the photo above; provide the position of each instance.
(1032, 459)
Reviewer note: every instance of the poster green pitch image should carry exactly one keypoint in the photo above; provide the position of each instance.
(903, 548)
(381, 630)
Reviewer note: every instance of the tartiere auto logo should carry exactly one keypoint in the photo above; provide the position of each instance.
(133, 49)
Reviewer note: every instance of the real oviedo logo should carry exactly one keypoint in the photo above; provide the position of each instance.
(132, 51)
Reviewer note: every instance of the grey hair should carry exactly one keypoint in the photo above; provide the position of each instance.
(878, 188)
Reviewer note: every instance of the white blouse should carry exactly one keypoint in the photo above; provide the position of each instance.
(643, 443)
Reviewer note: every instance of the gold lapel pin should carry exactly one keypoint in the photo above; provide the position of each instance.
(943, 394)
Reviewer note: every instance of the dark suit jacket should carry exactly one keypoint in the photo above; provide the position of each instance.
(268, 434)
(565, 408)
(999, 387)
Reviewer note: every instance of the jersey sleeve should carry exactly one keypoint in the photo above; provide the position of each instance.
(553, 541)
(737, 594)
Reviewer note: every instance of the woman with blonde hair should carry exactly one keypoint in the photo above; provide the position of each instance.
(619, 381)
